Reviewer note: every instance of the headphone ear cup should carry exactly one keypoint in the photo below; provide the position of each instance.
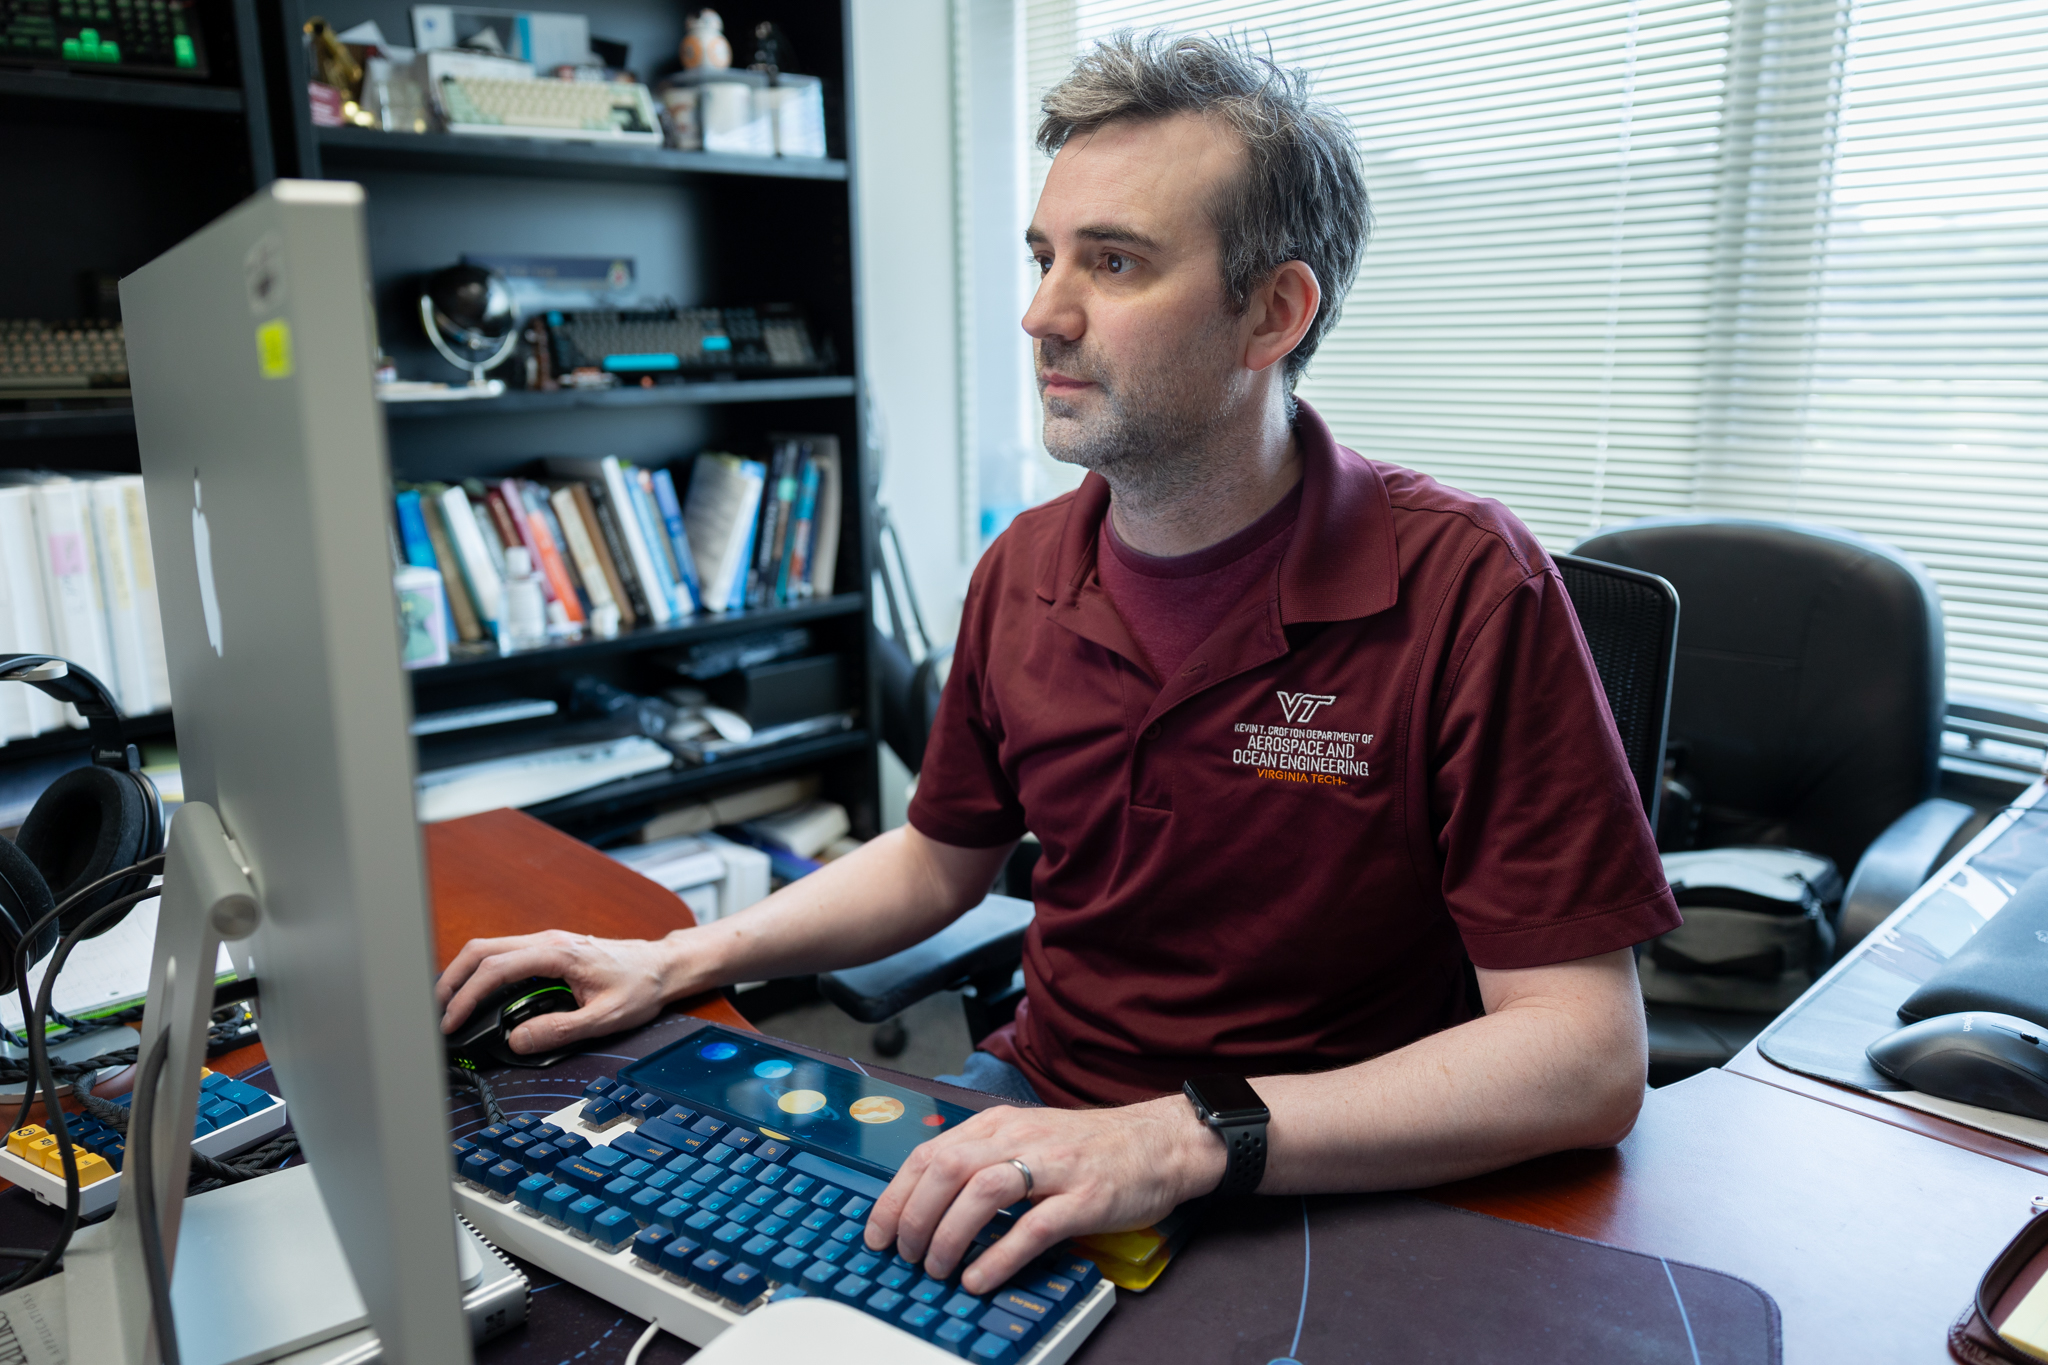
(91, 821)
(24, 898)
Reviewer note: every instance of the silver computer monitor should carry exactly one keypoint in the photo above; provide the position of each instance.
(263, 454)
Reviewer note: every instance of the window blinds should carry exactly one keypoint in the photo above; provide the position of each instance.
(1763, 257)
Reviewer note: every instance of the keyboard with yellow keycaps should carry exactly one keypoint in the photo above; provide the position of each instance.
(724, 1172)
(232, 1115)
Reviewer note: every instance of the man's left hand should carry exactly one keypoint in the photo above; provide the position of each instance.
(1092, 1170)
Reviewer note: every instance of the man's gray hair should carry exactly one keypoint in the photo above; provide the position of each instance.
(1302, 197)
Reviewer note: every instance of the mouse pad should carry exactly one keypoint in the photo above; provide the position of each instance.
(1395, 1278)
(2000, 970)
(1825, 1033)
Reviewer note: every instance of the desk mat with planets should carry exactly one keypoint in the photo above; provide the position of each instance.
(1824, 1033)
(1322, 1280)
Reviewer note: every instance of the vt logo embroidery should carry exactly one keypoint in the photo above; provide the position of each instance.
(1301, 707)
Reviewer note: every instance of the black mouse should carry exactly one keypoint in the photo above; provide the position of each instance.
(1997, 1061)
(485, 1038)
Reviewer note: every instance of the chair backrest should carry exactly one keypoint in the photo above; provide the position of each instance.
(1808, 695)
(1630, 621)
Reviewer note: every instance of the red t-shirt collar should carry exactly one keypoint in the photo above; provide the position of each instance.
(1341, 564)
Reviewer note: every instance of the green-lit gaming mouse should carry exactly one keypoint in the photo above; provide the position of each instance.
(485, 1038)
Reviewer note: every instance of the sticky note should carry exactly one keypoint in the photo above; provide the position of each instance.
(274, 348)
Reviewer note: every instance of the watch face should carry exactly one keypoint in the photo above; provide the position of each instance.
(1227, 1098)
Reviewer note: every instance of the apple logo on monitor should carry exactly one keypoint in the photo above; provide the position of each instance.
(202, 555)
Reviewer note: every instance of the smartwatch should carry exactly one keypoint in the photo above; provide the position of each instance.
(1234, 1110)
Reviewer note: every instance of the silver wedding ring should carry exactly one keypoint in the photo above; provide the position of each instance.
(1024, 1171)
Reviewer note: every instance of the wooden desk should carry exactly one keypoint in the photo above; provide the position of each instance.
(1870, 1236)
(503, 873)
(1868, 1223)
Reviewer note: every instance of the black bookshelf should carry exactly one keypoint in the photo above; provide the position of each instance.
(478, 664)
(120, 91)
(619, 805)
(658, 396)
(55, 418)
(705, 228)
(345, 149)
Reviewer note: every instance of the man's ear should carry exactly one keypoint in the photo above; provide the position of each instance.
(1281, 311)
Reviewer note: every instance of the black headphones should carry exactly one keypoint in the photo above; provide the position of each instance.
(90, 822)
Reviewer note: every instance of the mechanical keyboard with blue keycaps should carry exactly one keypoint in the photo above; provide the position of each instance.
(678, 1203)
(231, 1116)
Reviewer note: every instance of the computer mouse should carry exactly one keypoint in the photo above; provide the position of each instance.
(485, 1038)
(1997, 1061)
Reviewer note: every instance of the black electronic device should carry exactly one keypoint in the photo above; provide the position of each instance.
(856, 1118)
(485, 1038)
(1994, 1061)
(90, 822)
(683, 343)
(111, 37)
(1229, 1106)
(782, 692)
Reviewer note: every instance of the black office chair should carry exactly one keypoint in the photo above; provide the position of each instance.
(1630, 621)
(1804, 741)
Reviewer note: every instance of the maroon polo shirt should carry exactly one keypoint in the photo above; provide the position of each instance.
(1392, 757)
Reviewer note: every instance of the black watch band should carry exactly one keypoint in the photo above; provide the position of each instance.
(1233, 1109)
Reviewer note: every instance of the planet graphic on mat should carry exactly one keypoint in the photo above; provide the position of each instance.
(876, 1109)
(769, 1071)
(934, 1120)
(801, 1102)
(716, 1052)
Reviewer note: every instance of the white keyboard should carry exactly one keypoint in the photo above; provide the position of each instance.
(583, 111)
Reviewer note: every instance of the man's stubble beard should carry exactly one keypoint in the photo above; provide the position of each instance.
(1154, 433)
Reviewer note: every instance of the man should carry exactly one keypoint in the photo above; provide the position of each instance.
(1329, 795)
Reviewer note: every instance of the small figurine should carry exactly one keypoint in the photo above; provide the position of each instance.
(704, 45)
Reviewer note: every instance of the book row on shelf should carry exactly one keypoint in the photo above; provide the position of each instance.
(77, 580)
(602, 545)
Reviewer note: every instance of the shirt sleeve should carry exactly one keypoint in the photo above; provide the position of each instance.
(964, 797)
(1546, 854)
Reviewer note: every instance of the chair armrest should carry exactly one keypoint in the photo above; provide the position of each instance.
(1895, 865)
(988, 938)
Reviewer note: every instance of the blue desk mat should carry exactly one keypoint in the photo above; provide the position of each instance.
(1824, 1033)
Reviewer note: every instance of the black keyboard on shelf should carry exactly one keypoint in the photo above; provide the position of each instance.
(676, 343)
(135, 37)
(722, 1173)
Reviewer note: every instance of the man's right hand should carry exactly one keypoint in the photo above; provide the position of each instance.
(619, 983)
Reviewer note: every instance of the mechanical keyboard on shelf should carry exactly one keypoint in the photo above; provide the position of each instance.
(722, 1173)
(232, 1115)
(679, 342)
(140, 37)
(62, 359)
(583, 111)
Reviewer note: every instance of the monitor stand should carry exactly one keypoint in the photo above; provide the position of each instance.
(234, 1316)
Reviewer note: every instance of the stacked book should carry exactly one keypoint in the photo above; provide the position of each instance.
(77, 580)
(643, 547)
